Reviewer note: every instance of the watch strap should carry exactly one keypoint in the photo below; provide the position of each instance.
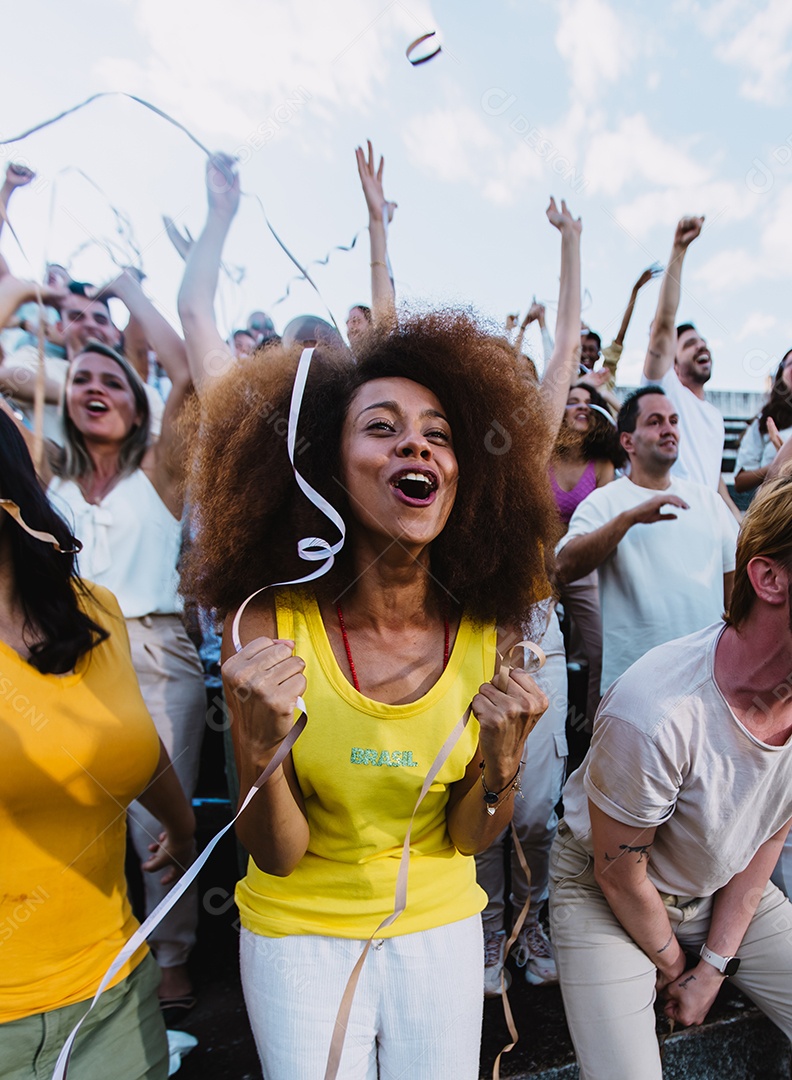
(726, 965)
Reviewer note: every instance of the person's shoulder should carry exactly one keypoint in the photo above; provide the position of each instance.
(665, 682)
(694, 492)
(98, 602)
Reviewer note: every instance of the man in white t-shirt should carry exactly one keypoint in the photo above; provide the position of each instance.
(661, 574)
(679, 360)
(676, 818)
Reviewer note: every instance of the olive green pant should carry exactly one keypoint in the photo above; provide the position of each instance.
(123, 1038)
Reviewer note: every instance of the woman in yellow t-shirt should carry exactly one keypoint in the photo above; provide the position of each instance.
(434, 451)
(77, 746)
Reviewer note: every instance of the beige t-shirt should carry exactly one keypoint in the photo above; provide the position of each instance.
(668, 751)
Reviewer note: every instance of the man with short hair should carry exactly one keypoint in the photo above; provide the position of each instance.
(675, 819)
(661, 574)
(679, 360)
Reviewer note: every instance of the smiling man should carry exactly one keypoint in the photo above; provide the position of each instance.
(664, 546)
(679, 360)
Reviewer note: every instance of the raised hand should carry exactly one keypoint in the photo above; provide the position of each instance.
(687, 230)
(379, 208)
(597, 379)
(562, 219)
(646, 277)
(222, 185)
(18, 175)
(535, 311)
(773, 433)
(115, 287)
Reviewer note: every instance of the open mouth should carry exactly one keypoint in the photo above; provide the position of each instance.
(416, 488)
(96, 407)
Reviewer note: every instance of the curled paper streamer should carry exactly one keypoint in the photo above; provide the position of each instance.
(124, 228)
(419, 41)
(318, 262)
(193, 138)
(47, 538)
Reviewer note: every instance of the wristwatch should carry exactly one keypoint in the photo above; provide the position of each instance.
(726, 965)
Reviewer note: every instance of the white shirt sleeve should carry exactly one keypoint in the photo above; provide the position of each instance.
(588, 515)
(729, 530)
(749, 455)
(628, 776)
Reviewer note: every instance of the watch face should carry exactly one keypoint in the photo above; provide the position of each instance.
(732, 966)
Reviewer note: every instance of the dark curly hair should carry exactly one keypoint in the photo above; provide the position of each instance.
(601, 441)
(48, 587)
(249, 512)
(779, 404)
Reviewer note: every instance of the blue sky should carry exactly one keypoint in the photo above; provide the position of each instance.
(635, 113)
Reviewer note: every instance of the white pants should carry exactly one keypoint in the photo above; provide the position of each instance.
(171, 681)
(608, 982)
(534, 818)
(416, 1014)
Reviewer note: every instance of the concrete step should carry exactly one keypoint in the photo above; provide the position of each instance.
(736, 1043)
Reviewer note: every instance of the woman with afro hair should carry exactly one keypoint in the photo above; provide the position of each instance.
(434, 451)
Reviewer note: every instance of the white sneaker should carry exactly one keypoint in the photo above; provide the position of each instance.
(533, 951)
(494, 944)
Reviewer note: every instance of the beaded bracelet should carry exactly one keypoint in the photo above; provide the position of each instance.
(493, 798)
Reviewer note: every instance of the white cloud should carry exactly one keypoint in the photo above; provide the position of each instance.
(755, 39)
(595, 43)
(633, 151)
(257, 55)
(716, 199)
(733, 268)
(757, 322)
(451, 144)
(765, 260)
(458, 146)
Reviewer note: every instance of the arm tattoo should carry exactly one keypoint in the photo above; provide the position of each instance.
(688, 980)
(664, 947)
(641, 850)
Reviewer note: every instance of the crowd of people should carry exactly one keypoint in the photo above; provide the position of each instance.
(399, 702)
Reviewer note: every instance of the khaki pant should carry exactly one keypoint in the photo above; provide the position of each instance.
(608, 982)
(123, 1038)
(171, 681)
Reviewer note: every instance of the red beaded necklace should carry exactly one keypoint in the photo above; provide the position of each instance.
(342, 624)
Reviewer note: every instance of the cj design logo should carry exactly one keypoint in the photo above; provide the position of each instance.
(394, 759)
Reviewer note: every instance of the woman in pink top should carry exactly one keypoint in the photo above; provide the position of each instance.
(586, 455)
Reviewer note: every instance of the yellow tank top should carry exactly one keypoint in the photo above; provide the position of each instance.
(361, 765)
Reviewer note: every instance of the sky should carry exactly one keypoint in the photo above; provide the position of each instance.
(636, 114)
